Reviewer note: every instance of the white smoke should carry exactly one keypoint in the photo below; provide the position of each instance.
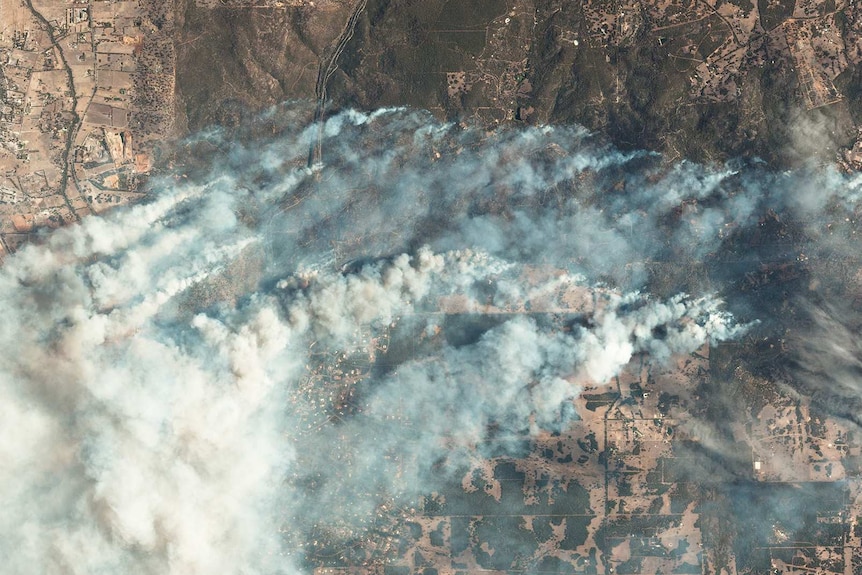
(145, 431)
(161, 448)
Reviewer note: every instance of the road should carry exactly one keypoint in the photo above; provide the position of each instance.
(327, 68)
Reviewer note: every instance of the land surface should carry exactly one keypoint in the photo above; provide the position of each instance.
(87, 93)
(696, 79)
(94, 91)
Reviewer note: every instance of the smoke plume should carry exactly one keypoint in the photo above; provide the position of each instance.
(197, 383)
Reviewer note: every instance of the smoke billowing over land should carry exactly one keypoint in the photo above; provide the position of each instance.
(266, 351)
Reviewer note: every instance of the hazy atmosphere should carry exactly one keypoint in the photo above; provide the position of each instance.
(174, 376)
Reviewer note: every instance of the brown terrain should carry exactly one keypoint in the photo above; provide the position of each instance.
(704, 80)
(93, 90)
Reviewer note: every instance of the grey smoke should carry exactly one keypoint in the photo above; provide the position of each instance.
(147, 429)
